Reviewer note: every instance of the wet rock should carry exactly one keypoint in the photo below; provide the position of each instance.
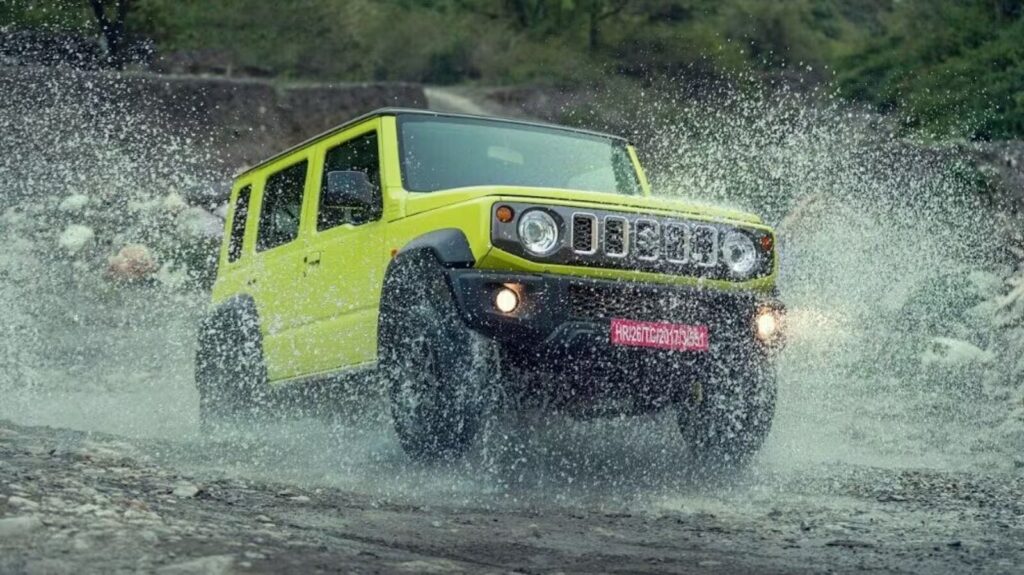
(81, 543)
(86, 508)
(849, 543)
(141, 516)
(185, 490)
(132, 263)
(74, 203)
(173, 203)
(76, 237)
(196, 222)
(21, 502)
(19, 526)
(212, 565)
(430, 566)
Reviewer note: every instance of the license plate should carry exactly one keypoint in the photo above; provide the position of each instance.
(659, 335)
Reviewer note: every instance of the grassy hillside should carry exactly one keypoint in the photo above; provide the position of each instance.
(947, 67)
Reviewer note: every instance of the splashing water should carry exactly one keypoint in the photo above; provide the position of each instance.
(886, 246)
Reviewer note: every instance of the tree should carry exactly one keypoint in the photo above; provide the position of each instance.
(112, 30)
(598, 11)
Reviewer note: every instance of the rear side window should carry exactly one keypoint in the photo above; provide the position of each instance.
(356, 155)
(241, 213)
(282, 207)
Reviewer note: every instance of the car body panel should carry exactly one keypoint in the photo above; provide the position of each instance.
(318, 296)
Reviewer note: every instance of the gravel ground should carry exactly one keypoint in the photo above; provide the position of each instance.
(77, 502)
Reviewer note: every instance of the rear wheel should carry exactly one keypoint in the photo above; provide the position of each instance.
(440, 374)
(726, 418)
(230, 373)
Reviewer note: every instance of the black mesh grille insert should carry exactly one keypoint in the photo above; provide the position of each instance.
(704, 246)
(675, 242)
(594, 302)
(615, 237)
(583, 233)
(647, 240)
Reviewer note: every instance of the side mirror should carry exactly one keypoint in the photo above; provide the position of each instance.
(349, 189)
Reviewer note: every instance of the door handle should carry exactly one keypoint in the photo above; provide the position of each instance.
(312, 259)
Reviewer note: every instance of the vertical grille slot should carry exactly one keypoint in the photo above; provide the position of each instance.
(648, 240)
(704, 246)
(675, 243)
(616, 236)
(584, 234)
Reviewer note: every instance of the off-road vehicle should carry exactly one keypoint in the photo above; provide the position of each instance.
(470, 264)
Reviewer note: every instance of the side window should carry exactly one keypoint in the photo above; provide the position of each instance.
(357, 155)
(238, 218)
(282, 206)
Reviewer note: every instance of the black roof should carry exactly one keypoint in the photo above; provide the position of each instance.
(418, 112)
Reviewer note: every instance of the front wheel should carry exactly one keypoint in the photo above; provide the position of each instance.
(440, 374)
(726, 418)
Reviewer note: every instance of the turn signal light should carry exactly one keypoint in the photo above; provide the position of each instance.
(766, 243)
(504, 214)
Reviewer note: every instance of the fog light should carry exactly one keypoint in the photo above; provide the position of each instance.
(766, 324)
(507, 300)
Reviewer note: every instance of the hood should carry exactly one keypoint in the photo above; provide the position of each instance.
(423, 202)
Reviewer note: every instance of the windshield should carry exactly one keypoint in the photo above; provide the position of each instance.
(441, 153)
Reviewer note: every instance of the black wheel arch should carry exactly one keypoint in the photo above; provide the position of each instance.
(449, 245)
(236, 314)
(235, 308)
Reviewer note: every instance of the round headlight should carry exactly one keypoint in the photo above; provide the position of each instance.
(739, 253)
(538, 232)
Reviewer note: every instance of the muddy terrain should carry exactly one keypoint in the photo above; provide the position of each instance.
(74, 502)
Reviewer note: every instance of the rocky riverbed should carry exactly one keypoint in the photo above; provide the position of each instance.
(76, 502)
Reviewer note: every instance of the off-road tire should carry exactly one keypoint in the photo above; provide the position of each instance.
(440, 374)
(726, 418)
(230, 374)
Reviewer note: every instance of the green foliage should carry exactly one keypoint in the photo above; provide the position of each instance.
(947, 67)
(47, 14)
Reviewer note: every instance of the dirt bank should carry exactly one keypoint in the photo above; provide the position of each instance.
(240, 120)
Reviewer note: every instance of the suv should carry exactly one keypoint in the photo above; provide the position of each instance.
(466, 263)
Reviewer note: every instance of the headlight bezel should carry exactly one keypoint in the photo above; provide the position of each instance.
(728, 242)
(545, 218)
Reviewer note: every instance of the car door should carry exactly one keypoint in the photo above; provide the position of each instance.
(344, 260)
(278, 267)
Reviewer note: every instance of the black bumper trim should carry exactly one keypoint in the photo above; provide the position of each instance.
(558, 310)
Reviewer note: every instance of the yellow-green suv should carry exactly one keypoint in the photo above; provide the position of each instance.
(470, 264)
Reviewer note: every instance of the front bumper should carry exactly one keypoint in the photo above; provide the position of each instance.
(560, 312)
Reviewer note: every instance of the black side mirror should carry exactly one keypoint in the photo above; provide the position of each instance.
(349, 189)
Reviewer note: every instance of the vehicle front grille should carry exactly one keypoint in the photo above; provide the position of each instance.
(601, 303)
(675, 242)
(584, 238)
(605, 302)
(650, 243)
(638, 242)
(648, 240)
(615, 236)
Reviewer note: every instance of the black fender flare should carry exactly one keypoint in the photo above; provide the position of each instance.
(236, 312)
(449, 246)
